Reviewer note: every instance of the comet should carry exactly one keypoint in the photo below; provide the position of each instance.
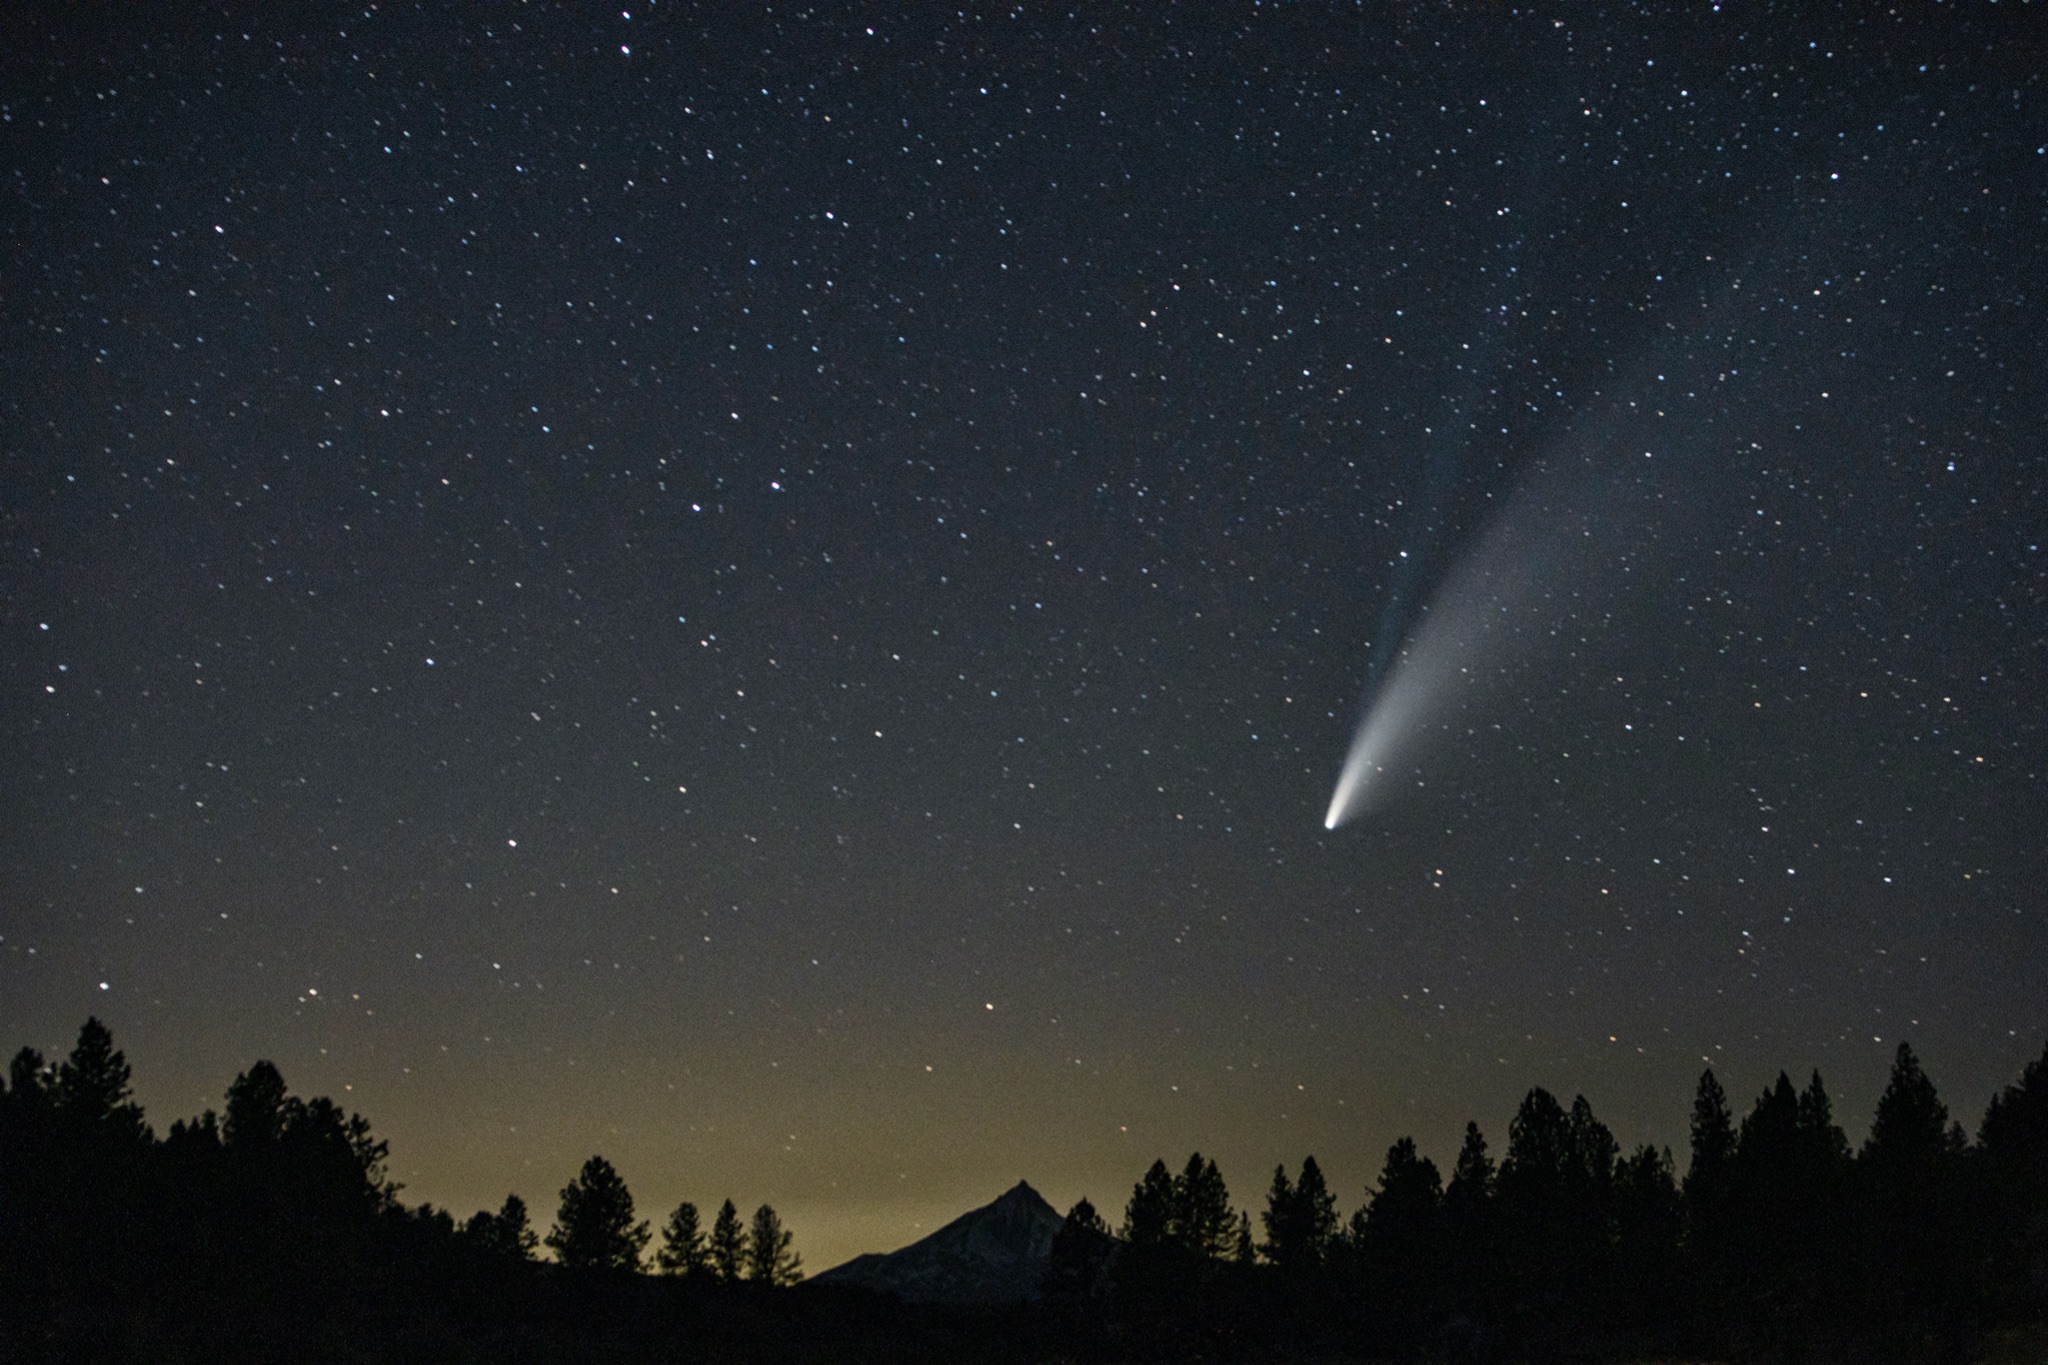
(1491, 612)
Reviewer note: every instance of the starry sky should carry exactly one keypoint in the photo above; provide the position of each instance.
(779, 595)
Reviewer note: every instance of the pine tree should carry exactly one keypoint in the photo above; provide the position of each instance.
(1300, 1218)
(1405, 1208)
(728, 1250)
(1400, 1244)
(1911, 1130)
(1278, 1218)
(1202, 1221)
(1080, 1250)
(2015, 1126)
(595, 1229)
(504, 1233)
(256, 1109)
(1148, 1218)
(1471, 1178)
(770, 1258)
(683, 1251)
(2013, 1143)
(91, 1090)
(1245, 1252)
(1468, 1219)
(28, 1082)
(1713, 1140)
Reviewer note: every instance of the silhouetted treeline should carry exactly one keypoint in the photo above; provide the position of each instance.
(271, 1232)
(1776, 1241)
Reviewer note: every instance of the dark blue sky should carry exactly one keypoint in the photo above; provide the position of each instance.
(781, 598)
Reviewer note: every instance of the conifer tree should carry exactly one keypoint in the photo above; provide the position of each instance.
(2013, 1143)
(2015, 1126)
(683, 1250)
(27, 1096)
(1300, 1218)
(595, 1229)
(1278, 1218)
(256, 1109)
(1471, 1178)
(1079, 1252)
(504, 1233)
(1400, 1244)
(728, 1249)
(1202, 1221)
(1149, 1216)
(1713, 1140)
(91, 1089)
(1911, 1131)
(771, 1259)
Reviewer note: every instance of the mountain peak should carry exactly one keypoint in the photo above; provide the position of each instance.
(994, 1254)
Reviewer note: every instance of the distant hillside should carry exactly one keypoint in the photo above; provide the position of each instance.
(994, 1254)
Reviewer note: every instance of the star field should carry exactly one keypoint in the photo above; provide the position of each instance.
(779, 597)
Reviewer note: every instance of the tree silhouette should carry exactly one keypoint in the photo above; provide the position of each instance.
(771, 1259)
(1471, 1186)
(1911, 1133)
(594, 1229)
(1707, 1191)
(1713, 1139)
(728, 1249)
(1300, 1218)
(2015, 1126)
(1202, 1222)
(1399, 1239)
(1080, 1251)
(1149, 1216)
(1648, 1227)
(683, 1251)
(2012, 1143)
(1553, 1216)
(1468, 1228)
(90, 1088)
(1912, 1172)
(505, 1233)
(256, 1109)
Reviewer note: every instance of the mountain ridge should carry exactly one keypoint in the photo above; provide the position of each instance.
(997, 1253)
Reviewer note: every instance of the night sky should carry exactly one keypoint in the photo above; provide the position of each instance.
(780, 594)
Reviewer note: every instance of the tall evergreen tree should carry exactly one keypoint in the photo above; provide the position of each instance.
(1708, 1189)
(1080, 1251)
(771, 1258)
(1713, 1140)
(1471, 1186)
(1202, 1221)
(2015, 1126)
(1648, 1228)
(728, 1249)
(1409, 1198)
(505, 1233)
(1149, 1216)
(1468, 1227)
(1911, 1172)
(1300, 1218)
(28, 1079)
(1911, 1132)
(256, 1109)
(91, 1087)
(683, 1250)
(1400, 1243)
(2012, 1144)
(594, 1229)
